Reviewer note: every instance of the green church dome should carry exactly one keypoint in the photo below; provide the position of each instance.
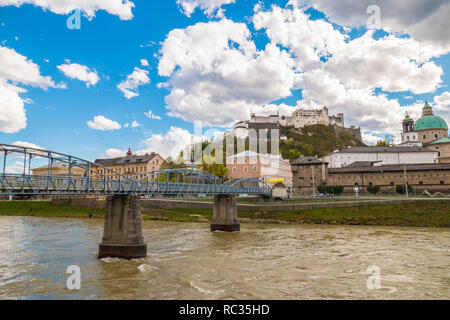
(430, 122)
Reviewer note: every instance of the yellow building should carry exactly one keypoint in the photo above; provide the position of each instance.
(129, 165)
(59, 169)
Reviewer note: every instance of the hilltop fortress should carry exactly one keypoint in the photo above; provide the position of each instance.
(299, 119)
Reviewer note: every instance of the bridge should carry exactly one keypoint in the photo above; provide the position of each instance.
(123, 231)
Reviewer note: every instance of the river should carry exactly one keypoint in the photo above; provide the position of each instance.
(186, 261)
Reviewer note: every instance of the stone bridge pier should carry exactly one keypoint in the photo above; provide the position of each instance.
(225, 214)
(122, 235)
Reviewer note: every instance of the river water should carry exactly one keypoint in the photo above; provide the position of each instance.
(186, 261)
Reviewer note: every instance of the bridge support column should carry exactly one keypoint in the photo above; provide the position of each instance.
(225, 214)
(122, 235)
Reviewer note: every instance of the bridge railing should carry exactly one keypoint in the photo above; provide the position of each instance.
(95, 179)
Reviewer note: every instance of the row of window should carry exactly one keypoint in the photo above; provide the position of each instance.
(127, 170)
(255, 168)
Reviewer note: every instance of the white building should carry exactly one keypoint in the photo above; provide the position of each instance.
(299, 119)
(410, 138)
(381, 156)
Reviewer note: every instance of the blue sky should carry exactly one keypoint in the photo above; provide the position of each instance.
(113, 47)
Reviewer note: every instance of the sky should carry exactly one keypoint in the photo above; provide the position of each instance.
(137, 74)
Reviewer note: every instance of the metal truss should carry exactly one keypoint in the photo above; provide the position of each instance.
(109, 182)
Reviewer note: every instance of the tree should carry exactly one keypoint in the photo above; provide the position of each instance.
(209, 165)
(401, 189)
(294, 154)
(382, 143)
(337, 190)
(373, 189)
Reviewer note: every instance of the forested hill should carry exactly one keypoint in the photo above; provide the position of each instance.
(314, 140)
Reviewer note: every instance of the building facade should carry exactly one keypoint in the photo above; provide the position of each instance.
(59, 169)
(430, 131)
(249, 164)
(308, 173)
(130, 165)
(382, 156)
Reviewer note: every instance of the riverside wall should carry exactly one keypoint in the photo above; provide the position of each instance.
(179, 204)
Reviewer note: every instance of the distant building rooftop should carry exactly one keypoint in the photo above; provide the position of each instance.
(441, 140)
(308, 160)
(385, 149)
(391, 168)
(133, 159)
(363, 163)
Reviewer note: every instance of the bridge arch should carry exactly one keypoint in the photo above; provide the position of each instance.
(108, 181)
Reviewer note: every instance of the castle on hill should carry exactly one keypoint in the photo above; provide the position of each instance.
(299, 119)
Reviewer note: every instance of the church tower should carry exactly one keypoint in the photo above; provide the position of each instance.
(409, 136)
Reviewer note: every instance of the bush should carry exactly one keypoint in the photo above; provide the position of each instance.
(401, 189)
(337, 190)
(373, 189)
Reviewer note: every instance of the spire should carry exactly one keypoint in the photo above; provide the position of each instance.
(129, 153)
(427, 109)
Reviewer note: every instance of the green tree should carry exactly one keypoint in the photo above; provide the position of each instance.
(373, 189)
(382, 143)
(293, 154)
(209, 165)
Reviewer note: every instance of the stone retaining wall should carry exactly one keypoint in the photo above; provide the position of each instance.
(179, 204)
(168, 204)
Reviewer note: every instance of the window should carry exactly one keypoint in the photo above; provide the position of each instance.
(233, 170)
(436, 136)
(245, 169)
(442, 182)
(392, 183)
(255, 168)
(424, 137)
(421, 182)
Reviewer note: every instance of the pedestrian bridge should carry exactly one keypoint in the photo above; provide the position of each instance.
(122, 235)
(104, 181)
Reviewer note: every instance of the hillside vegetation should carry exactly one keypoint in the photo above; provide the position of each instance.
(314, 140)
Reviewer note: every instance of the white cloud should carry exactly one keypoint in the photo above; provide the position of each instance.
(12, 111)
(144, 63)
(80, 72)
(443, 100)
(392, 64)
(149, 114)
(115, 153)
(15, 168)
(120, 8)
(103, 124)
(427, 22)
(170, 144)
(209, 7)
(344, 74)
(135, 124)
(370, 139)
(307, 40)
(442, 106)
(27, 145)
(16, 69)
(129, 86)
(217, 75)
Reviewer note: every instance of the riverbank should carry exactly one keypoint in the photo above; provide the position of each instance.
(417, 214)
